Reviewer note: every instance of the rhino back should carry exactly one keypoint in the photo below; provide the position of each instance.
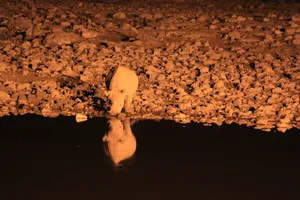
(124, 79)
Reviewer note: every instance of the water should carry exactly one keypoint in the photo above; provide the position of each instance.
(61, 159)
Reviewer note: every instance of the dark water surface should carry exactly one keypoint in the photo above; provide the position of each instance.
(60, 159)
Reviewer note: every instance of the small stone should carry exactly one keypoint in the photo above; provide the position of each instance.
(26, 45)
(266, 19)
(90, 34)
(296, 18)
(277, 90)
(206, 44)
(241, 19)
(87, 76)
(60, 37)
(278, 32)
(268, 57)
(158, 16)
(235, 35)
(119, 15)
(158, 92)
(171, 110)
(219, 84)
(161, 77)
(269, 38)
(212, 27)
(80, 118)
(290, 31)
(23, 23)
(202, 18)
(23, 86)
(54, 66)
(262, 120)
(4, 96)
(182, 118)
(69, 72)
(296, 40)
(170, 65)
(65, 24)
(198, 92)
(3, 66)
(46, 110)
(288, 38)
(204, 69)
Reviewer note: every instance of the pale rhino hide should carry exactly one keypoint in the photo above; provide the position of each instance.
(122, 84)
(119, 142)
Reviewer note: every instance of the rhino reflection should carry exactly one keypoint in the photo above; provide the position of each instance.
(119, 142)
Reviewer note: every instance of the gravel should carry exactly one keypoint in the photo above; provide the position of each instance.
(199, 61)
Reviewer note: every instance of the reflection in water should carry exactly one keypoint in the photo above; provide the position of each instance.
(119, 142)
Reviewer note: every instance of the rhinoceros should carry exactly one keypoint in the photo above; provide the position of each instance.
(122, 84)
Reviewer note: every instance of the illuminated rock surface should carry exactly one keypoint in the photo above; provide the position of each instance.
(204, 62)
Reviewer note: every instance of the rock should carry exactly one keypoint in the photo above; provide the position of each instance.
(23, 86)
(296, 18)
(69, 72)
(87, 76)
(171, 110)
(22, 99)
(266, 19)
(26, 45)
(182, 118)
(119, 15)
(23, 24)
(158, 92)
(288, 38)
(277, 90)
(235, 35)
(80, 118)
(3, 66)
(219, 85)
(198, 92)
(65, 24)
(268, 57)
(170, 65)
(4, 97)
(161, 77)
(202, 18)
(277, 32)
(241, 19)
(296, 40)
(204, 69)
(48, 112)
(61, 38)
(158, 16)
(290, 31)
(89, 34)
(212, 27)
(55, 94)
(152, 72)
(4, 111)
(269, 38)
(54, 66)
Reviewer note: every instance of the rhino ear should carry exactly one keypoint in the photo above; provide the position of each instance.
(109, 77)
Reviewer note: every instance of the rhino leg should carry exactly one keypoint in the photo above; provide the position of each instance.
(128, 103)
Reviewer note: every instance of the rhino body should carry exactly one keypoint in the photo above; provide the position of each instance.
(122, 84)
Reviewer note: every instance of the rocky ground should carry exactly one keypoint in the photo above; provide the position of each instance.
(202, 61)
